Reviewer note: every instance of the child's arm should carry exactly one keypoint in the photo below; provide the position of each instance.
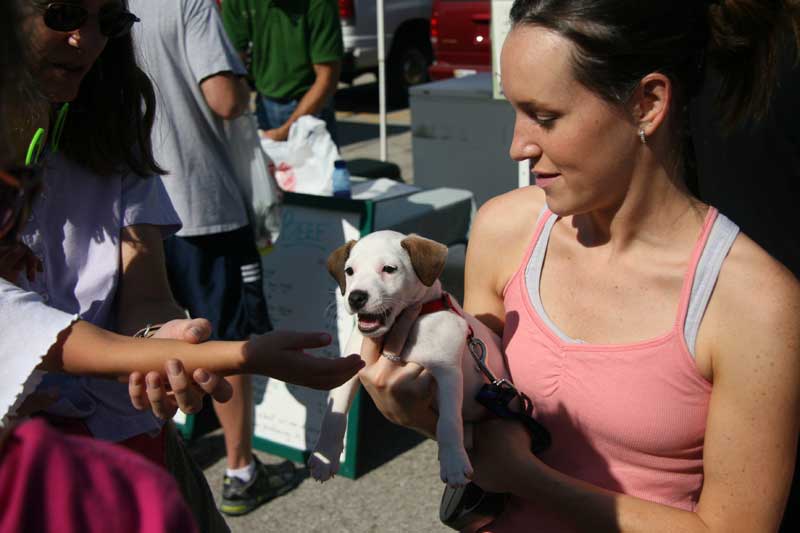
(86, 349)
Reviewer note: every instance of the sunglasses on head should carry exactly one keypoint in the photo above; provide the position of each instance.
(113, 19)
(18, 188)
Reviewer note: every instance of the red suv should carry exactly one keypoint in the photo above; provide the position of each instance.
(461, 38)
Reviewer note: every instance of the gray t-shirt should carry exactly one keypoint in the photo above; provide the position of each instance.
(179, 43)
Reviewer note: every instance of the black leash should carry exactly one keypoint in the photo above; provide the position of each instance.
(497, 394)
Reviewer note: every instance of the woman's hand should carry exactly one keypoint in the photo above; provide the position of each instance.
(280, 355)
(16, 258)
(501, 451)
(403, 392)
(180, 391)
(191, 330)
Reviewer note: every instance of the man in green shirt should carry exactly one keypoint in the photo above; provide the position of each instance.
(295, 57)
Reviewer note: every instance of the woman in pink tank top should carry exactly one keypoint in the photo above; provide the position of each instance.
(659, 347)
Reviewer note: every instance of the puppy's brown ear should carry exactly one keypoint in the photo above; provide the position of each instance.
(336, 262)
(427, 257)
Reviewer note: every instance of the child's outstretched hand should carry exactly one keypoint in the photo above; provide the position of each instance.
(280, 355)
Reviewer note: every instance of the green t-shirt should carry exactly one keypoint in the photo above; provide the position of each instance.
(289, 37)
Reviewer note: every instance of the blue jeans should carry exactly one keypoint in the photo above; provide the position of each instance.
(273, 114)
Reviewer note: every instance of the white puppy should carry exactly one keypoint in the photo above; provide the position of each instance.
(379, 276)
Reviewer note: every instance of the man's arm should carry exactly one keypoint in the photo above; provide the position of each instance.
(226, 94)
(214, 45)
(327, 78)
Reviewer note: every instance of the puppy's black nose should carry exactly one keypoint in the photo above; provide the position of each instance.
(357, 299)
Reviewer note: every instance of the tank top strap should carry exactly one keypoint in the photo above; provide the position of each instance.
(546, 217)
(720, 240)
(541, 222)
(691, 271)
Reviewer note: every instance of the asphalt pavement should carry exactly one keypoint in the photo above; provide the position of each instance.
(400, 491)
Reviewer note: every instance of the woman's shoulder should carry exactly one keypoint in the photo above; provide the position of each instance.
(510, 215)
(499, 237)
(749, 272)
(756, 300)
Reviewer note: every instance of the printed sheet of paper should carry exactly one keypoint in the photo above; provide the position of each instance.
(302, 296)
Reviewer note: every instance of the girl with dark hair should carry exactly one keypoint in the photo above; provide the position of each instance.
(112, 103)
(96, 229)
(658, 344)
(34, 457)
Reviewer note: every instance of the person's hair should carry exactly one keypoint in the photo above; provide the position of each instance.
(16, 86)
(9, 45)
(109, 123)
(9, 48)
(618, 42)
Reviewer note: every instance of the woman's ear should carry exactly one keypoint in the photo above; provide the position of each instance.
(652, 102)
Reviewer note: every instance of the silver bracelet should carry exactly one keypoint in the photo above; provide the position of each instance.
(148, 331)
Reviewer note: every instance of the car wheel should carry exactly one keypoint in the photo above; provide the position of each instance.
(408, 66)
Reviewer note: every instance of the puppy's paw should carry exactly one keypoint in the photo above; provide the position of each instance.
(455, 468)
(323, 468)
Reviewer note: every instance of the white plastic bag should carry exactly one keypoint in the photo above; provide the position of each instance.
(261, 193)
(304, 162)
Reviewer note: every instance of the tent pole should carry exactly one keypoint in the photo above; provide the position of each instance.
(382, 80)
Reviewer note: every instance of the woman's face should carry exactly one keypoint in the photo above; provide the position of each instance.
(60, 60)
(581, 149)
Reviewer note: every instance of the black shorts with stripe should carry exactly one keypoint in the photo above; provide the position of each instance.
(218, 277)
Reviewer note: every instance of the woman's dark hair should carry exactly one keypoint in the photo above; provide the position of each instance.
(618, 42)
(16, 85)
(109, 123)
(9, 45)
(9, 48)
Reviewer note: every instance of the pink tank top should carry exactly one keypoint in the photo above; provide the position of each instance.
(629, 418)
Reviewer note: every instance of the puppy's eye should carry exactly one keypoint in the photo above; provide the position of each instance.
(389, 269)
(348, 271)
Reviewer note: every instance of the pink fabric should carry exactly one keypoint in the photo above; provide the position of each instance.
(51, 482)
(630, 418)
(153, 448)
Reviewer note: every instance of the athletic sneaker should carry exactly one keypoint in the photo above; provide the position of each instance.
(269, 481)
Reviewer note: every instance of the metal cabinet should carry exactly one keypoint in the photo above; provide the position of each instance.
(461, 137)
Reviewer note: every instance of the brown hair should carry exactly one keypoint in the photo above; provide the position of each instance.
(746, 37)
(21, 103)
(10, 49)
(12, 71)
(618, 42)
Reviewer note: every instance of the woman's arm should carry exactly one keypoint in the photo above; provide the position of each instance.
(751, 434)
(144, 295)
